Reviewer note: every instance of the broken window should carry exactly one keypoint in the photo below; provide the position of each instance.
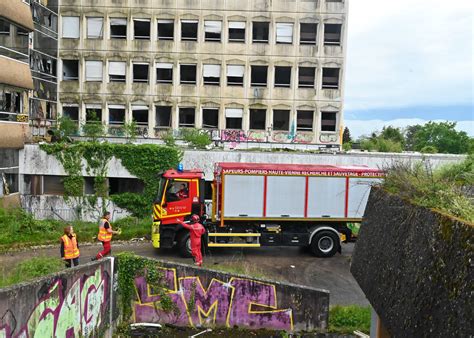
(116, 114)
(282, 76)
(4, 28)
(306, 76)
(140, 72)
(189, 30)
(71, 111)
(308, 32)
(118, 28)
(332, 34)
(94, 71)
(330, 78)
(304, 120)
(70, 27)
(233, 117)
(186, 117)
(163, 116)
(210, 118)
(165, 29)
(53, 185)
(93, 112)
(328, 121)
(258, 119)
(259, 76)
(281, 119)
(164, 73)
(123, 185)
(140, 114)
(235, 75)
(117, 71)
(284, 33)
(141, 29)
(95, 28)
(236, 31)
(260, 32)
(187, 74)
(70, 70)
(212, 30)
(211, 74)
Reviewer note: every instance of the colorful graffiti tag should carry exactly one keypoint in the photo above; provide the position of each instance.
(237, 302)
(77, 310)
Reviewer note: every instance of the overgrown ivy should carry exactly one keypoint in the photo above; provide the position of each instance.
(145, 161)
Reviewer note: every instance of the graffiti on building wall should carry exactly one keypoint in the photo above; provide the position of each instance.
(328, 138)
(236, 302)
(77, 310)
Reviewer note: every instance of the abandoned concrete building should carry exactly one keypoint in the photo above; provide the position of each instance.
(255, 70)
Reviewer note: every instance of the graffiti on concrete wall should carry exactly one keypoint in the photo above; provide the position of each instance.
(236, 302)
(62, 310)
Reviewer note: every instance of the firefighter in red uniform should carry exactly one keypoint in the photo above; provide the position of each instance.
(69, 247)
(105, 235)
(196, 230)
(183, 192)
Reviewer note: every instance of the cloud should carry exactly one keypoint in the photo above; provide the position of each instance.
(409, 53)
(366, 127)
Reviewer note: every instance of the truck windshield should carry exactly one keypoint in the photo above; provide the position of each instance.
(161, 189)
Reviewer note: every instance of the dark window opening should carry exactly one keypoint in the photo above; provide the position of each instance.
(165, 29)
(282, 76)
(122, 185)
(164, 73)
(210, 118)
(306, 76)
(236, 31)
(211, 74)
(140, 115)
(72, 112)
(93, 114)
(70, 70)
(328, 121)
(189, 30)
(212, 31)
(281, 120)
(187, 74)
(260, 31)
(304, 120)
(163, 116)
(308, 32)
(141, 29)
(21, 31)
(259, 76)
(53, 185)
(332, 34)
(89, 188)
(233, 123)
(118, 28)
(4, 28)
(258, 119)
(140, 72)
(186, 117)
(116, 115)
(330, 78)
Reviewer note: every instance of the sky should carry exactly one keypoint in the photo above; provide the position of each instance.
(409, 62)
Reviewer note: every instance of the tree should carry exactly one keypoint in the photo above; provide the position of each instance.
(443, 136)
(410, 133)
(346, 136)
(393, 134)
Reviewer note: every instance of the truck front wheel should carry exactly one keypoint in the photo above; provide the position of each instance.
(184, 244)
(325, 243)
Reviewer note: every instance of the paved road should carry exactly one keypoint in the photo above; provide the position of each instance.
(283, 264)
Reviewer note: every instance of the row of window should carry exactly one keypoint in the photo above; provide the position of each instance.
(211, 74)
(213, 32)
(280, 119)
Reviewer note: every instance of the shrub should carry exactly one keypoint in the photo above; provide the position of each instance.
(429, 150)
(347, 319)
(197, 138)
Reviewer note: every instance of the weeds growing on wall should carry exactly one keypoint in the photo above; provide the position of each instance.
(145, 161)
(347, 319)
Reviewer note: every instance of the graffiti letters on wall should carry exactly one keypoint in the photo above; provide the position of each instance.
(236, 302)
(61, 310)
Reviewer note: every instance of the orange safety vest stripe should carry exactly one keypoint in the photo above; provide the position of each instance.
(104, 235)
(70, 247)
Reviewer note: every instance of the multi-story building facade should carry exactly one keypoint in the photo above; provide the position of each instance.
(254, 70)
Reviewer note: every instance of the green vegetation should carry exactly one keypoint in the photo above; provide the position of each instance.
(196, 138)
(443, 189)
(30, 269)
(19, 229)
(347, 319)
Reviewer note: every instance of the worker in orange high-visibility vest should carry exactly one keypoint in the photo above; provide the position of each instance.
(105, 235)
(69, 247)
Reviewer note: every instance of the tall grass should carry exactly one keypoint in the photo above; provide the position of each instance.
(347, 319)
(30, 269)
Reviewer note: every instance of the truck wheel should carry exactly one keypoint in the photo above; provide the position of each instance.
(325, 243)
(184, 245)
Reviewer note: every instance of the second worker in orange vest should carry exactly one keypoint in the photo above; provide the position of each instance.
(105, 235)
(69, 247)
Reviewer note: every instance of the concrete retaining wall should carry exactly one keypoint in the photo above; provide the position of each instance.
(74, 303)
(415, 267)
(225, 300)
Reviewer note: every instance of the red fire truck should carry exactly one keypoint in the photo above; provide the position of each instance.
(256, 205)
